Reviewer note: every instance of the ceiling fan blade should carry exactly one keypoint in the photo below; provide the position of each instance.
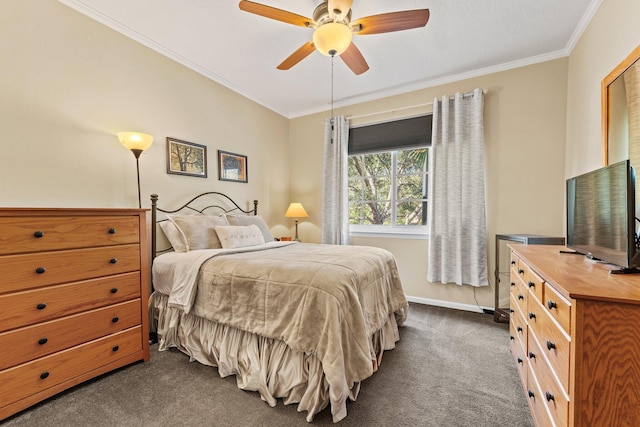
(354, 59)
(393, 21)
(297, 56)
(274, 13)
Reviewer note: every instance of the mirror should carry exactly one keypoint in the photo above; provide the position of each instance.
(621, 112)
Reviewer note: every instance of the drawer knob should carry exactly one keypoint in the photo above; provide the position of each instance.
(513, 284)
(44, 375)
(40, 270)
(114, 290)
(531, 394)
(511, 311)
(532, 284)
(532, 315)
(511, 337)
(115, 348)
(115, 319)
(513, 263)
(521, 271)
(551, 304)
(520, 296)
(113, 260)
(112, 231)
(520, 360)
(41, 306)
(532, 355)
(550, 397)
(38, 234)
(550, 345)
(519, 328)
(42, 341)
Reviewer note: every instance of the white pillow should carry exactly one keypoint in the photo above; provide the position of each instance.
(174, 236)
(251, 219)
(239, 236)
(199, 231)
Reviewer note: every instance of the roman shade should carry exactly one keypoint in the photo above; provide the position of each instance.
(402, 134)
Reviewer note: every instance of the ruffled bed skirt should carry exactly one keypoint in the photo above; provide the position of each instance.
(260, 364)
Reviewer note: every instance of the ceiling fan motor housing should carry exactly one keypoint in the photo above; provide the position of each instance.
(321, 14)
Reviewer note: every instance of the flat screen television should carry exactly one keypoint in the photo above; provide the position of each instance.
(601, 218)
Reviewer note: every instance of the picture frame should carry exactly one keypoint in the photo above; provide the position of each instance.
(186, 158)
(232, 167)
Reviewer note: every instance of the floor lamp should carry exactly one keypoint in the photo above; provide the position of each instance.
(296, 211)
(136, 142)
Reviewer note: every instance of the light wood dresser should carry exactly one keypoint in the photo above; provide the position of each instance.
(74, 288)
(575, 337)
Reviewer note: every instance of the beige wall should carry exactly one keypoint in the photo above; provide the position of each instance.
(611, 35)
(524, 137)
(68, 84)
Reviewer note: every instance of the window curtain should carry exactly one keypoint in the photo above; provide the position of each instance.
(456, 224)
(335, 196)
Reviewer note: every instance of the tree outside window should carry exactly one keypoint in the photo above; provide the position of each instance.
(388, 188)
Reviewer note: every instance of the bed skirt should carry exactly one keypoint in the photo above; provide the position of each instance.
(265, 365)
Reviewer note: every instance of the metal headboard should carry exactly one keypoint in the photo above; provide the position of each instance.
(190, 206)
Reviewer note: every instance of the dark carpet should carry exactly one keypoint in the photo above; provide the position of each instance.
(450, 368)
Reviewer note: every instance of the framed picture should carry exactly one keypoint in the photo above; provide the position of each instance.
(186, 158)
(232, 167)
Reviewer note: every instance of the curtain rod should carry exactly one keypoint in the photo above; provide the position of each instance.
(393, 110)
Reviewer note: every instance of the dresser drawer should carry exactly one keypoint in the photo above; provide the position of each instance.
(32, 377)
(559, 308)
(554, 342)
(39, 305)
(539, 411)
(519, 291)
(534, 283)
(32, 342)
(555, 398)
(20, 272)
(38, 234)
(519, 355)
(517, 325)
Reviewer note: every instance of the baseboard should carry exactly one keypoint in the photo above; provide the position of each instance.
(449, 304)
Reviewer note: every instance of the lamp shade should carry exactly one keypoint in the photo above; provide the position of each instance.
(332, 38)
(296, 210)
(135, 140)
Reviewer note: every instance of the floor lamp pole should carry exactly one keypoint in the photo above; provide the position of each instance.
(138, 173)
(137, 153)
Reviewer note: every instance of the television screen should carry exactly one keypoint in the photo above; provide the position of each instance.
(601, 215)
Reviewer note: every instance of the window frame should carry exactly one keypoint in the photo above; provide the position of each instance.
(394, 230)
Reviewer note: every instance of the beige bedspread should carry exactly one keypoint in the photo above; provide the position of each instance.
(323, 300)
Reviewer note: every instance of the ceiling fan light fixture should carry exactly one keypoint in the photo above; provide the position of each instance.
(332, 38)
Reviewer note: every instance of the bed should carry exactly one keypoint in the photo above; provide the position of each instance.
(301, 322)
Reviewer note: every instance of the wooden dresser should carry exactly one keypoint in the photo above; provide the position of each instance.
(73, 298)
(575, 337)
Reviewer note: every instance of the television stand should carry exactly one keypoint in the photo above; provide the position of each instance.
(501, 314)
(626, 271)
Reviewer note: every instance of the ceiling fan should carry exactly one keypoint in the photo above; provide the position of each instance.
(333, 29)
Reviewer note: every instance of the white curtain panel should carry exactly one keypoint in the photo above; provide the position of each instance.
(457, 226)
(335, 196)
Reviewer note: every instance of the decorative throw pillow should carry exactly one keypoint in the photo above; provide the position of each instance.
(199, 230)
(239, 236)
(174, 236)
(249, 220)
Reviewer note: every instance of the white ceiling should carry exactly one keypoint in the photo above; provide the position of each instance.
(463, 38)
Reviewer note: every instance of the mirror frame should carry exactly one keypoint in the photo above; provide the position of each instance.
(610, 78)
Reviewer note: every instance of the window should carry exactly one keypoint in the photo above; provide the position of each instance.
(388, 176)
(389, 190)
